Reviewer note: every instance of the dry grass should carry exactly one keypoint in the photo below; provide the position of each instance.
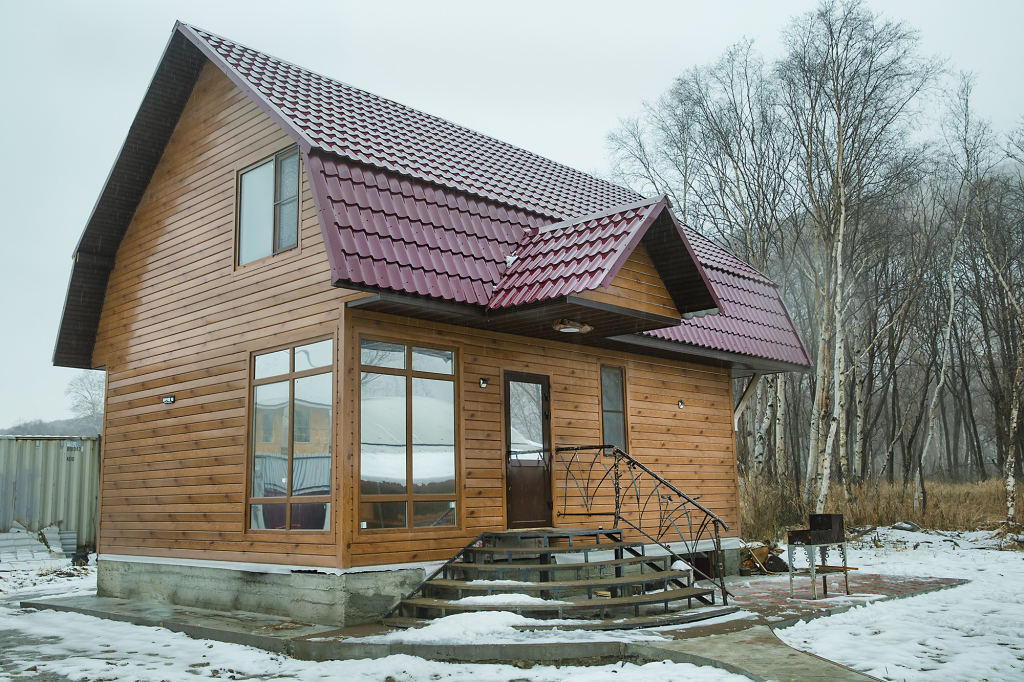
(767, 511)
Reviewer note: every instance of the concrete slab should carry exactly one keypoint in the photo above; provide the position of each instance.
(313, 642)
(759, 652)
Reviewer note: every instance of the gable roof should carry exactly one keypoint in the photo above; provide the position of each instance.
(413, 204)
(583, 254)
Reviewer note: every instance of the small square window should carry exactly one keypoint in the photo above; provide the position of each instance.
(267, 427)
(268, 207)
(302, 432)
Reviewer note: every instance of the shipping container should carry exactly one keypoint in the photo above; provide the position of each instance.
(50, 480)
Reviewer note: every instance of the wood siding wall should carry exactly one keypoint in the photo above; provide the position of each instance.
(179, 318)
(637, 286)
(693, 447)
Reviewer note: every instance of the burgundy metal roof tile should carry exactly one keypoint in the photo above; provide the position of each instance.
(415, 203)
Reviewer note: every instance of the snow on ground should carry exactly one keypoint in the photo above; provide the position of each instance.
(501, 627)
(61, 579)
(972, 632)
(78, 647)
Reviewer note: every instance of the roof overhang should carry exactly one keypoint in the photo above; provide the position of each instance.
(741, 365)
(534, 320)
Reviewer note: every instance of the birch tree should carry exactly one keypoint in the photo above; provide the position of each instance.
(849, 82)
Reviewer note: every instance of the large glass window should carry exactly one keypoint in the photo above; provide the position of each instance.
(293, 400)
(268, 207)
(613, 407)
(407, 457)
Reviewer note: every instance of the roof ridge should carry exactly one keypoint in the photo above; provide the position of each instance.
(599, 214)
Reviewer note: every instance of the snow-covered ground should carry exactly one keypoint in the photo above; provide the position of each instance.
(55, 645)
(973, 632)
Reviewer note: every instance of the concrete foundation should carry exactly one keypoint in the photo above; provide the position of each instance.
(308, 596)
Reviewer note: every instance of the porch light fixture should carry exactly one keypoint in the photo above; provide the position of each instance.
(483, 382)
(681, 404)
(571, 326)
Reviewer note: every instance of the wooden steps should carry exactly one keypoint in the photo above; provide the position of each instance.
(659, 579)
(547, 573)
(561, 607)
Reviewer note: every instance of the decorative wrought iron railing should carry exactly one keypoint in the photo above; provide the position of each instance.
(604, 481)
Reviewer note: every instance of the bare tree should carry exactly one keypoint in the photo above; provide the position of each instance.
(87, 390)
(849, 81)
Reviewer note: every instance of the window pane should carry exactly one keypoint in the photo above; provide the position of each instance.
(256, 214)
(526, 431)
(433, 436)
(267, 516)
(425, 514)
(267, 427)
(301, 425)
(311, 516)
(611, 388)
(382, 515)
(614, 430)
(382, 354)
(382, 434)
(270, 459)
(431, 360)
(271, 364)
(287, 225)
(311, 450)
(320, 354)
(288, 176)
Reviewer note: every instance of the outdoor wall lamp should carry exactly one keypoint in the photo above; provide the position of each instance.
(681, 404)
(483, 382)
(571, 326)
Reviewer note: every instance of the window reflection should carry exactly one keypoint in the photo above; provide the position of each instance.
(382, 354)
(382, 515)
(382, 434)
(433, 436)
(270, 458)
(526, 420)
(433, 360)
(314, 355)
(311, 449)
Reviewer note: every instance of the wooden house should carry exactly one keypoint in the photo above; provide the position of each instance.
(345, 336)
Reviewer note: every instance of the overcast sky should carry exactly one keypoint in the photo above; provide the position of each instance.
(551, 77)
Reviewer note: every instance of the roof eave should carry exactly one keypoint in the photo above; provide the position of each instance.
(750, 362)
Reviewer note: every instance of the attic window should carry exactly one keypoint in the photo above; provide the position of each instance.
(268, 207)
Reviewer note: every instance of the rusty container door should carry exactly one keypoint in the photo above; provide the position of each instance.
(528, 450)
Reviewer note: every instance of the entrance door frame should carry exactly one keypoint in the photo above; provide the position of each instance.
(545, 384)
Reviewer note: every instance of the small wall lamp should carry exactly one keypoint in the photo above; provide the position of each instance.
(483, 382)
(681, 404)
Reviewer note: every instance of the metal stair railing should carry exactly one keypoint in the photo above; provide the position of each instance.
(643, 501)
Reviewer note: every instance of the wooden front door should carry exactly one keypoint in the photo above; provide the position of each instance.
(527, 450)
